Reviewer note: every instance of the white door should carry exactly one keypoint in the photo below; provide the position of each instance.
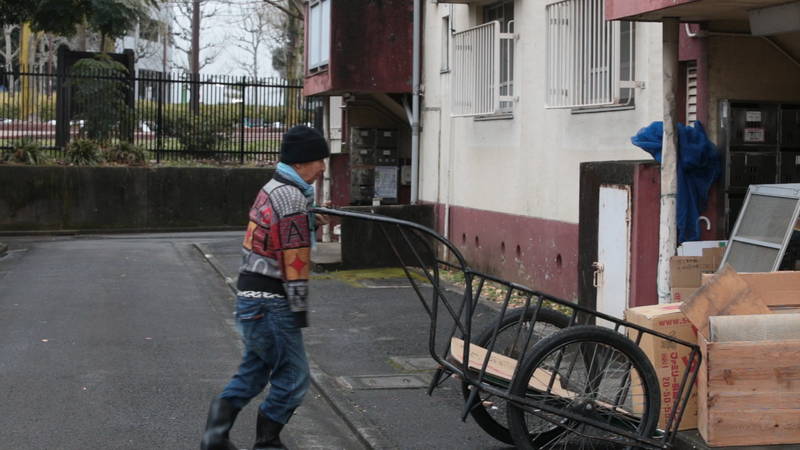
(613, 250)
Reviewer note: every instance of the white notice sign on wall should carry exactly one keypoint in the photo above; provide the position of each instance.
(753, 135)
(386, 181)
(752, 116)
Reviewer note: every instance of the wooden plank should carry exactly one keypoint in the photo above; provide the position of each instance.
(738, 401)
(755, 380)
(501, 366)
(754, 427)
(725, 294)
(757, 355)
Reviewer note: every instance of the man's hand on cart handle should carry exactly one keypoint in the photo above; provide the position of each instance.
(323, 219)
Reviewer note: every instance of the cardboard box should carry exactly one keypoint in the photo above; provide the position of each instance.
(668, 358)
(686, 271)
(748, 389)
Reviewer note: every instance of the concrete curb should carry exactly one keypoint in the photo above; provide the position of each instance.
(363, 428)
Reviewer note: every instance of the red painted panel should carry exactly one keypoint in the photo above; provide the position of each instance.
(644, 235)
(620, 9)
(538, 253)
(371, 48)
(317, 83)
(340, 179)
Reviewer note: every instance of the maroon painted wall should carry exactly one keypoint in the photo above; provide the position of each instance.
(371, 48)
(644, 235)
(340, 179)
(617, 9)
(538, 253)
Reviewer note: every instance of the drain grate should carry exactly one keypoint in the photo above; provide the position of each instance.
(372, 382)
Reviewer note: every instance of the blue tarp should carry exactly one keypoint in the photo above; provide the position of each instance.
(699, 166)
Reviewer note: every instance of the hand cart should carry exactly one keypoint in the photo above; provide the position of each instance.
(543, 373)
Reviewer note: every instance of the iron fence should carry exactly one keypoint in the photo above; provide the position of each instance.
(172, 116)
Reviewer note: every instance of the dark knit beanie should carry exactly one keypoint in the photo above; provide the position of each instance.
(303, 144)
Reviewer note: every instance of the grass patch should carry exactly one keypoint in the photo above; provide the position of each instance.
(355, 277)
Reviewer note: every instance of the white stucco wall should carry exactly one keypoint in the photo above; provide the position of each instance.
(529, 164)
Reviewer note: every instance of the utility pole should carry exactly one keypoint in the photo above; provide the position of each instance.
(194, 64)
(669, 158)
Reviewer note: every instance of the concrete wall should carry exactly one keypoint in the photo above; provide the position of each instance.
(117, 198)
(364, 243)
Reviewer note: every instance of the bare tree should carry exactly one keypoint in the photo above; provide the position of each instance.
(9, 52)
(182, 33)
(258, 28)
(287, 52)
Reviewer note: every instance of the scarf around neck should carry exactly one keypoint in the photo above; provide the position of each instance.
(289, 173)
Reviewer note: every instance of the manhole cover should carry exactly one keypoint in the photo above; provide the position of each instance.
(383, 382)
(415, 363)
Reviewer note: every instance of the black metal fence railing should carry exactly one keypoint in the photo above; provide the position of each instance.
(235, 119)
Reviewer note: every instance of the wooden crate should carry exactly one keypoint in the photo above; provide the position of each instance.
(748, 388)
(749, 392)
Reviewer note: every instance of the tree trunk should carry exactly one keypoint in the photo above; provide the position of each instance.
(9, 56)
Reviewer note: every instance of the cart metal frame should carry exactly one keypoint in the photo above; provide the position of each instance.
(423, 253)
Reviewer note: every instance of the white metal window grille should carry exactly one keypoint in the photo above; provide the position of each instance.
(691, 93)
(587, 56)
(482, 68)
(319, 22)
(445, 66)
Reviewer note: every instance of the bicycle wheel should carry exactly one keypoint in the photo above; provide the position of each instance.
(490, 412)
(594, 373)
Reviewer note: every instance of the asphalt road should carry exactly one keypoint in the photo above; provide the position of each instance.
(120, 342)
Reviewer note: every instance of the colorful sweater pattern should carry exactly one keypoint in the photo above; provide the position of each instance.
(278, 242)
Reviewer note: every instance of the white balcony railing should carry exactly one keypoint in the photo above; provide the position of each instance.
(483, 70)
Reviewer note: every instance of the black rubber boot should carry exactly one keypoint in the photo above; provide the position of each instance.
(221, 416)
(267, 434)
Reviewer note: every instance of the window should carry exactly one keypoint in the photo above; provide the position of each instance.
(149, 29)
(319, 30)
(445, 67)
(589, 60)
(483, 64)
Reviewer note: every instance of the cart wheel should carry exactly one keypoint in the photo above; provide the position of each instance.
(593, 372)
(511, 336)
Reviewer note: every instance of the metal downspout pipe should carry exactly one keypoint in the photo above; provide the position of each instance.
(415, 83)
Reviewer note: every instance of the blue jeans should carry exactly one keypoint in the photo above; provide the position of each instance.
(273, 353)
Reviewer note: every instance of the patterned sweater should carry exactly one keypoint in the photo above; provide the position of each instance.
(276, 252)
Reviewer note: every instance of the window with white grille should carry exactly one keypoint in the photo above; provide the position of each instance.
(589, 60)
(482, 65)
(319, 26)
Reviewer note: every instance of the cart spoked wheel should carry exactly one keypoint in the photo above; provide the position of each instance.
(592, 374)
(489, 412)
